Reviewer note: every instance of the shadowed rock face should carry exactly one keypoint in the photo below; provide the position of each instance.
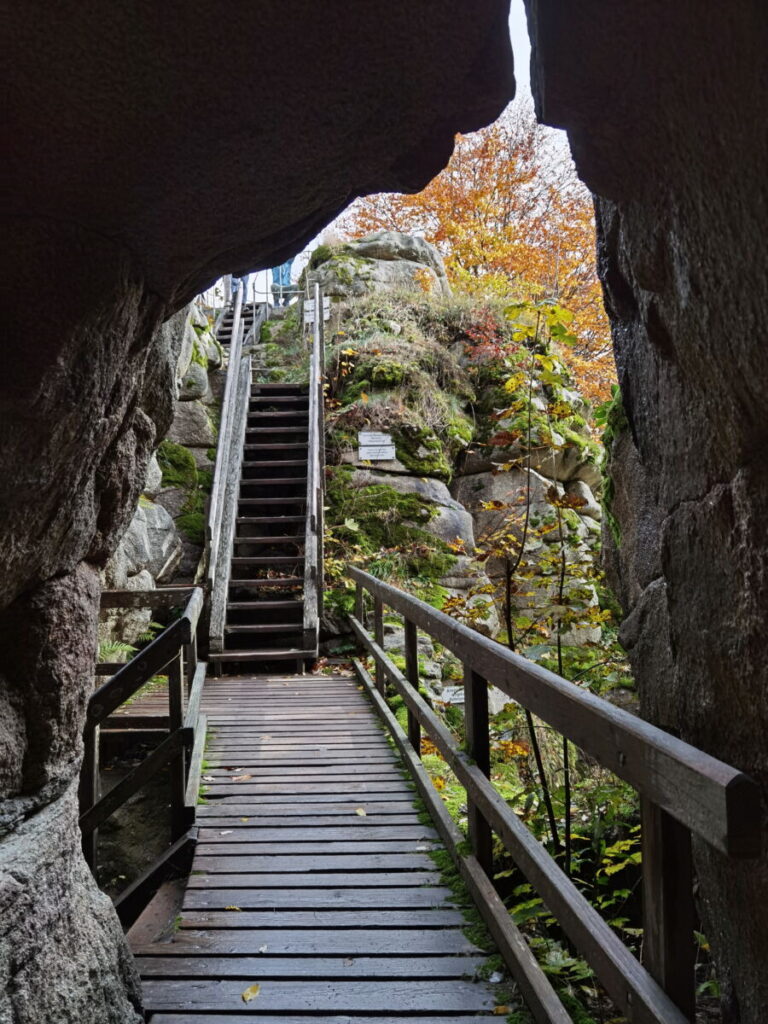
(152, 150)
(665, 109)
(208, 138)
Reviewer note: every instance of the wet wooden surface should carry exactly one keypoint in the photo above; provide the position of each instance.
(312, 877)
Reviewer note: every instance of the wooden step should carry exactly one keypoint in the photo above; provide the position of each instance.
(253, 520)
(272, 541)
(239, 560)
(259, 584)
(272, 463)
(264, 654)
(247, 606)
(256, 396)
(287, 414)
(273, 386)
(293, 446)
(283, 430)
(283, 627)
(297, 499)
(274, 482)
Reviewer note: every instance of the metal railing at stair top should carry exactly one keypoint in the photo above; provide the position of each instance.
(683, 791)
(313, 537)
(177, 735)
(222, 512)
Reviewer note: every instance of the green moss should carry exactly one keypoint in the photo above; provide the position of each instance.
(198, 355)
(177, 464)
(421, 451)
(387, 374)
(192, 522)
(319, 256)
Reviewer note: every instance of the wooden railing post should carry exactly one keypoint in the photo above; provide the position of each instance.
(90, 789)
(177, 768)
(479, 749)
(412, 674)
(360, 603)
(378, 635)
(669, 915)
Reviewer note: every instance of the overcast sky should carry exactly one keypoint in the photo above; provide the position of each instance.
(518, 30)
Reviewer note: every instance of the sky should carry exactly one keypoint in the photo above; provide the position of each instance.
(518, 30)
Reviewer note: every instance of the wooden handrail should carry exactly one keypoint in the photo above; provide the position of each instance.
(314, 508)
(175, 652)
(719, 803)
(226, 482)
(683, 789)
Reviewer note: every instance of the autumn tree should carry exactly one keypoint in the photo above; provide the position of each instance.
(511, 217)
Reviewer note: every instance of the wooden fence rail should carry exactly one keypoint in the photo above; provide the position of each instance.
(682, 789)
(172, 653)
(313, 538)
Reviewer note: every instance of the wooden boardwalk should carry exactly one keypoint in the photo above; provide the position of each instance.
(312, 893)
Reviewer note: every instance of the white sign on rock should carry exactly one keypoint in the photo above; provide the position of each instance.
(375, 447)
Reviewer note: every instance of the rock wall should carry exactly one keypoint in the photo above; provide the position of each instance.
(404, 360)
(682, 221)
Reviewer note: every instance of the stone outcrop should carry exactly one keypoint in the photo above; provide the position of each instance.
(682, 255)
(386, 261)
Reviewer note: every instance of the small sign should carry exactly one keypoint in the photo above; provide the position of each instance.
(376, 453)
(375, 447)
(366, 437)
(309, 310)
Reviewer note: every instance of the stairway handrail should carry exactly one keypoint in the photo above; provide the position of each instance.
(225, 492)
(314, 506)
(222, 448)
(683, 790)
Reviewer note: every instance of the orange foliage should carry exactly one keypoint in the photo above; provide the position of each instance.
(511, 218)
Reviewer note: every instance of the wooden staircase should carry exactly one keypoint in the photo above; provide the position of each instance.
(265, 606)
(248, 315)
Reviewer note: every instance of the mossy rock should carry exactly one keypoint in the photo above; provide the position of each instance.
(177, 464)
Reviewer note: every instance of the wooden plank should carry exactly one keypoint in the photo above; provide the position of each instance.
(536, 989)
(310, 786)
(316, 879)
(195, 695)
(347, 965)
(294, 835)
(630, 986)
(224, 820)
(714, 800)
(372, 809)
(320, 996)
(233, 846)
(281, 942)
(333, 773)
(241, 1018)
(329, 862)
(304, 899)
(434, 917)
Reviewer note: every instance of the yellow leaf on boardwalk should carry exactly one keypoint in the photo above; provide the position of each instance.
(360, 811)
(233, 907)
(250, 993)
(501, 1011)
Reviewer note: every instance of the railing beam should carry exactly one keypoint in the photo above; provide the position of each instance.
(479, 749)
(669, 914)
(412, 674)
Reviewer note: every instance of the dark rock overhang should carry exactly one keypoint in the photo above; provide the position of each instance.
(208, 137)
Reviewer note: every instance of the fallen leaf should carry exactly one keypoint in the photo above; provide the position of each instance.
(233, 907)
(241, 778)
(438, 782)
(245, 819)
(253, 990)
(349, 962)
(264, 948)
(499, 1011)
(496, 978)
(226, 832)
(360, 811)
(208, 778)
